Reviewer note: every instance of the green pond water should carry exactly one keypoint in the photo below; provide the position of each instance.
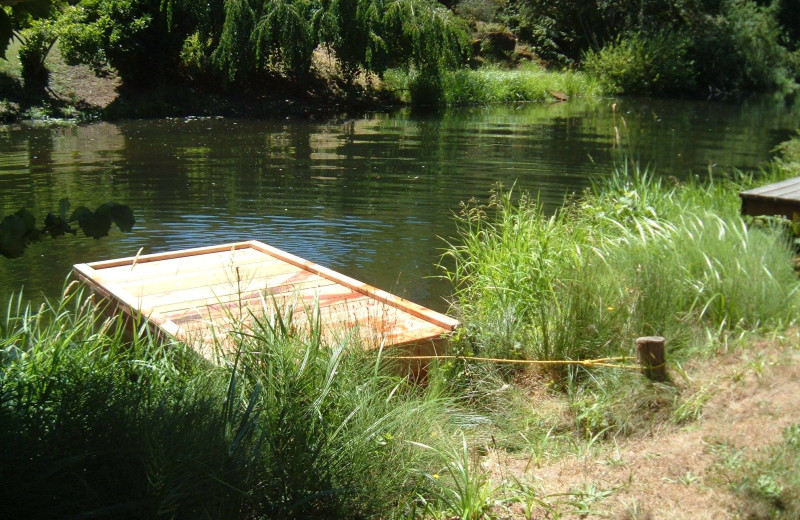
(371, 197)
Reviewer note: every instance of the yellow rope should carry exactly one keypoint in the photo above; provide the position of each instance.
(601, 362)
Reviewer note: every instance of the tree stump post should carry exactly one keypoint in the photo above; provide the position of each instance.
(652, 357)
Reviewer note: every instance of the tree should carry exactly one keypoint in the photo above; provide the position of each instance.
(14, 14)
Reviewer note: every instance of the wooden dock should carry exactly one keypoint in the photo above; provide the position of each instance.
(204, 296)
(780, 198)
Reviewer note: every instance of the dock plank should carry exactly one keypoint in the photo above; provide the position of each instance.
(251, 275)
(780, 198)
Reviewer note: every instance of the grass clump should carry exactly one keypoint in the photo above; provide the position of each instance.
(493, 84)
(634, 256)
(97, 425)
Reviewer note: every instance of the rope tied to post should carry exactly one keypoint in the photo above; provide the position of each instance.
(650, 355)
(611, 362)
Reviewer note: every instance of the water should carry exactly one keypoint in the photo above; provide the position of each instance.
(371, 197)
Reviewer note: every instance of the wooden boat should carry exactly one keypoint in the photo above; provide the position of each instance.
(205, 296)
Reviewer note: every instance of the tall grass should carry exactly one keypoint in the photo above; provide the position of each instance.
(99, 425)
(635, 256)
(491, 84)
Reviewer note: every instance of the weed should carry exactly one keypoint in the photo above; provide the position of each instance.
(768, 481)
(462, 489)
(581, 501)
(691, 409)
(531, 498)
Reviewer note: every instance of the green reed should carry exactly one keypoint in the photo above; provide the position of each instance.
(634, 256)
(99, 422)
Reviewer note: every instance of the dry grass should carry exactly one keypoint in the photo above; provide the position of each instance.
(674, 471)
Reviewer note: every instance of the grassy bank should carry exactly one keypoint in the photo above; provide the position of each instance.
(75, 93)
(494, 84)
(96, 424)
(637, 256)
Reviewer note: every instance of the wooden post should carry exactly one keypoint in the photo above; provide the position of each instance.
(652, 358)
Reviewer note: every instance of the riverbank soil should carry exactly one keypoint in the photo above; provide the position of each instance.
(678, 471)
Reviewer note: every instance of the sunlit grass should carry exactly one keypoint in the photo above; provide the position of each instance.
(639, 256)
(636, 255)
(492, 84)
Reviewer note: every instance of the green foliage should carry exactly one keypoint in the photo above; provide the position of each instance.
(15, 15)
(245, 41)
(354, 30)
(19, 230)
(497, 85)
(38, 39)
(114, 34)
(426, 89)
(6, 31)
(739, 50)
(718, 48)
(636, 257)
(637, 64)
(234, 56)
(286, 34)
(462, 489)
(425, 35)
(788, 156)
(561, 32)
(287, 426)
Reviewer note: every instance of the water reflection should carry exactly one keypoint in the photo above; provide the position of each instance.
(369, 197)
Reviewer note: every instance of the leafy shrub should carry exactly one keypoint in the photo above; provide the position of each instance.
(118, 34)
(645, 64)
(561, 32)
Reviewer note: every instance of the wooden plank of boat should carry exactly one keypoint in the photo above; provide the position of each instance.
(780, 198)
(206, 296)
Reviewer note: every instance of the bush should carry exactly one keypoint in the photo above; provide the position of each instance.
(426, 89)
(645, 64)
(739, 50)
